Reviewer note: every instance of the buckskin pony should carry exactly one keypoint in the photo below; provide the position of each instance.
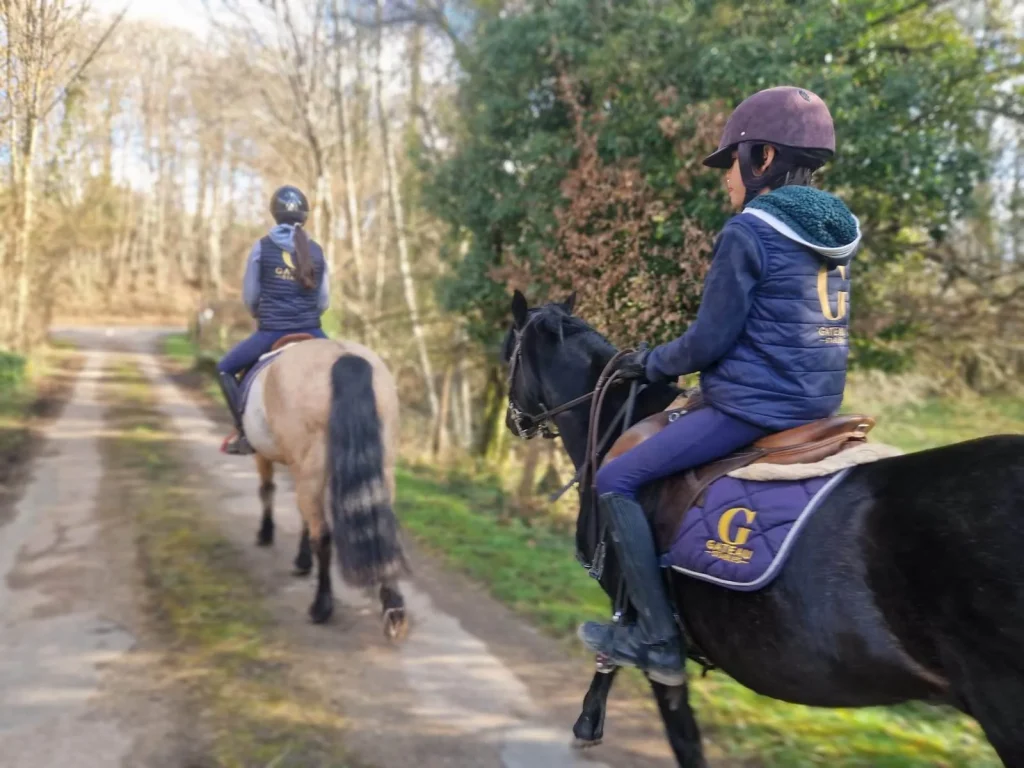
(328, 410)
(907, 583)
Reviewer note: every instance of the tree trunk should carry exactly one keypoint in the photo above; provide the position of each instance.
(213, 248)
(324, 216)
(492, 444)
(352, 221)
(528, 480)
(395, 195)
(465, 405)
(441, 438)
(23, 238)
(381, 266)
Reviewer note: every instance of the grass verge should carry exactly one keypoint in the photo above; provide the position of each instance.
(28, 395)
(248, 697)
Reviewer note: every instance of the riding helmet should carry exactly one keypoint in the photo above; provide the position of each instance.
(784, 117)
(289, 206)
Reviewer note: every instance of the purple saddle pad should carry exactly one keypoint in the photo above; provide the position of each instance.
(741, 536)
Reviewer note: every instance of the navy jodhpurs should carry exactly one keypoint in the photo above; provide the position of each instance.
(247, 352)
(693, 439)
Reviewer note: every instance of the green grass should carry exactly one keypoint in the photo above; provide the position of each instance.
(935, 422)
(253, 711)
(180, 348)
(22, 385)
(532, 569)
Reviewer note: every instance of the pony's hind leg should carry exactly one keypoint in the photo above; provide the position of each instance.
(392, 604)
(309, 492)
(265, 537)
(304, 558)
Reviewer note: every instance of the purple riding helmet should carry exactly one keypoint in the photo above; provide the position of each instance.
(793, 120)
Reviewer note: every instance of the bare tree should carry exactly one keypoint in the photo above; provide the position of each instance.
(45, 58)
(398, 216)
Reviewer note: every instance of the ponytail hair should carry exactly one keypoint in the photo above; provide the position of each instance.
(304, 271)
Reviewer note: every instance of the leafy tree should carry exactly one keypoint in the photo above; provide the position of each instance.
(582, 124)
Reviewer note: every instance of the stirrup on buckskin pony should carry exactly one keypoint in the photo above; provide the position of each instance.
(235, 444)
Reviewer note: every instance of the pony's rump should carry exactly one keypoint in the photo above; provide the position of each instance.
(363, 520)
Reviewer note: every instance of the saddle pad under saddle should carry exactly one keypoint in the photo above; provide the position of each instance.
(252, 373)
(741, 536)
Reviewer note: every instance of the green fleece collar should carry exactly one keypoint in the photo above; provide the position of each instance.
(812, 217)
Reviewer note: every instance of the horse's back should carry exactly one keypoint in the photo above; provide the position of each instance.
(883, 573)
(298, 392)
(947, 536)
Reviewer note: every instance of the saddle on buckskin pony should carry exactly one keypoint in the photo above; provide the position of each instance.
(683, 502)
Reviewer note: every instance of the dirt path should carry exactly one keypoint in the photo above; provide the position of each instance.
(75, 682)
(472, 686)
(80, 679)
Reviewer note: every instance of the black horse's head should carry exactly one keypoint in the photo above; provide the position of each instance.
(553, 357)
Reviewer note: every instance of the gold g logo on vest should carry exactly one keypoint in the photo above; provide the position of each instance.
(835, 334)
(287, 272)
(732, 535)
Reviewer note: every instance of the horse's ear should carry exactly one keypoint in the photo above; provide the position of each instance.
(520, 309)
(570, 303)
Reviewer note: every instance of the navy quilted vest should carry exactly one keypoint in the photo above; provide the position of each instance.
(789, 365)
(284, 304)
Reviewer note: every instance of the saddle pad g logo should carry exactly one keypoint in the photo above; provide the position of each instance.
(725, 524)
(732, 535)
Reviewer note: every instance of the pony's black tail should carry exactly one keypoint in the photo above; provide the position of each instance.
(364, 523)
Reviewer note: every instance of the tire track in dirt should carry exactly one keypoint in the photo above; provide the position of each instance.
(75, 674)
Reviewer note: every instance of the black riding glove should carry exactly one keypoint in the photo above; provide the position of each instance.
(634, 364)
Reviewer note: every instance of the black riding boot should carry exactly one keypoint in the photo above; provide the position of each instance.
(239, 446)
(652, 644)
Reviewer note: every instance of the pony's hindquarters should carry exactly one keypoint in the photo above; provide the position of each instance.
(364, 523)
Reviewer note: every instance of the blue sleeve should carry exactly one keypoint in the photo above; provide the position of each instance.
(323, 301)
(728, 288)
(251, 281)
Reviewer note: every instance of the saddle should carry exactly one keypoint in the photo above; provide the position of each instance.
(284, 341)
(291, 338)
(806, 444)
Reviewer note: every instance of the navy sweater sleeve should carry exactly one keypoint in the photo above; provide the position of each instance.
(735, 271)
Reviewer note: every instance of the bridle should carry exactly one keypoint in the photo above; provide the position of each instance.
(529, 425)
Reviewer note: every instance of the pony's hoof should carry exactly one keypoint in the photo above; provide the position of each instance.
(302, 571)
(265, 538)
(586, 734)
(396, 624)
(321, 609)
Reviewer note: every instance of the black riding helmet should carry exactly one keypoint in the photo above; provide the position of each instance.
(289, 206)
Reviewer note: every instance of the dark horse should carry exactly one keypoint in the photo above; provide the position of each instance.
(908, 583)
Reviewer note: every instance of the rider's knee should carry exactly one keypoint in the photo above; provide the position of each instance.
(610, 479)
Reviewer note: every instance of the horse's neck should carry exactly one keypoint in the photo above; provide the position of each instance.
(574, 425)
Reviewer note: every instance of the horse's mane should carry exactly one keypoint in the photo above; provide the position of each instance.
(554, 320)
